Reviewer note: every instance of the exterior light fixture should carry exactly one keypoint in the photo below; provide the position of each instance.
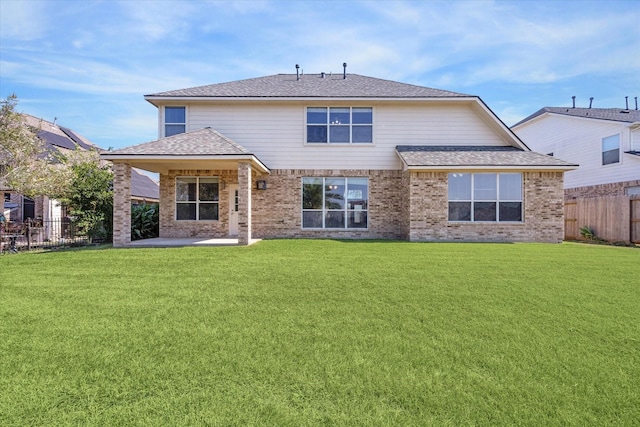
(261, 184)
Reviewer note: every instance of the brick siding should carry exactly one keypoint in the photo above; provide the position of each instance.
(543, 212)
(612, 189)
(121, 204)
(170, 227)
(402, 205)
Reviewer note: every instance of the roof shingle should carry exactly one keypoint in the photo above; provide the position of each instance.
(310, 86)
(613, 114)
(201, 142)
(481, 156)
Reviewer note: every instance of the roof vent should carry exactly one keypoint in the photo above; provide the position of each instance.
(297, 72)
(636, 98)
(590, 101)
(626, 103)
(344, 72)
(322, 75)
(574, 101)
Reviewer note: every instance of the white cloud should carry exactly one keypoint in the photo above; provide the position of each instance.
(121, 50)
(22, 20)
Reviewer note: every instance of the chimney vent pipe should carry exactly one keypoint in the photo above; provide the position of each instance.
(590, 101)
(574, 101)
(626, 102)
(297, 72)
(344, 72)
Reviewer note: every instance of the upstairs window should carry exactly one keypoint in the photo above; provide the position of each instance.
(485, 197)
(340, 125)
(174, 120)
(611, 150)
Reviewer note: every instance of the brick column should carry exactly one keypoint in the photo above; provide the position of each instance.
(244, 203)
(121, 204)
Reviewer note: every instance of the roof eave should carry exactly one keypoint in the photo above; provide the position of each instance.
(528, 168)
(152, 99)
(501, 126)
(168, 157)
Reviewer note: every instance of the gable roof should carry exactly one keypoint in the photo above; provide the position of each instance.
(612, 114)
(309, 86)
(199, 147)
(201, 142)
(428, 157)
(57, 136)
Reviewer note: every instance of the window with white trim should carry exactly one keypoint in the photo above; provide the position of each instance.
(335, 203)
(339, 125)
(175, 120)
(611, 149)
(197, 198)
(494, 197)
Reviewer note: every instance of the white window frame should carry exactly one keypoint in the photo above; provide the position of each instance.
(165, 123)
(346, 210)
(602, 150)
(197, 200)
(497, 199)
(328, 125)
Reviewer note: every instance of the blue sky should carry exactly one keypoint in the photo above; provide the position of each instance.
(89, 63)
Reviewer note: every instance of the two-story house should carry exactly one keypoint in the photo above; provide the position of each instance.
(605, 142)
(603, 194)
(339, 156)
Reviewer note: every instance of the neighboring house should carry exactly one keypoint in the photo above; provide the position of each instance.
(605, 142)
(339, 156)
(18, 207)
(144, 189)
(604, 192)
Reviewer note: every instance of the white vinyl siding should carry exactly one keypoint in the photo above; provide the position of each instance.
(276, 133)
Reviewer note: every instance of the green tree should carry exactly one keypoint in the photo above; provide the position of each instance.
(89, 196)
(25, 165)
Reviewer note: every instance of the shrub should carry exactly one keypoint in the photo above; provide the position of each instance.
(145, 221)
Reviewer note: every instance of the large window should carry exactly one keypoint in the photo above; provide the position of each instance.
(485, 197)
(340, 125)
(335, 203)
(174, 120)
(611, 149)
(197, 198)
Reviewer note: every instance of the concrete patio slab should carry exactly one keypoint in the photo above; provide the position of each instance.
(165, 242)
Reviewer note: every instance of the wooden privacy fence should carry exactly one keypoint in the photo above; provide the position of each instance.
(612, 218)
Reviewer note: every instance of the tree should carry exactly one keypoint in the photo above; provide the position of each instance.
(89, 196)
(25, 165)
(76, 178)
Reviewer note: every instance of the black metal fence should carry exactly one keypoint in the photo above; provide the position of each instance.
(40, 234)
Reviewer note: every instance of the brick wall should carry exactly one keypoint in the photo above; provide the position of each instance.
(402, 205)
(245, 188)
(612, 189)
(543, 212)
(170, 227)
(277, 211)
(121, 204)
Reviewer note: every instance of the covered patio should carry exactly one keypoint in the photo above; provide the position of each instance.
(196, 162)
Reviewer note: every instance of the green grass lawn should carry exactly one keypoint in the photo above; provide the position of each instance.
(306, 333)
